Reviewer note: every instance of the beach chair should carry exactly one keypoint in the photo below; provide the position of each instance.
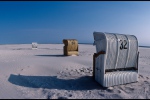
(70, 47)
(34, 45)
(116, 59)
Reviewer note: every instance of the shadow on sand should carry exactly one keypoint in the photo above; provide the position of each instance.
(52, 82)
(23, 49)
(52, 55)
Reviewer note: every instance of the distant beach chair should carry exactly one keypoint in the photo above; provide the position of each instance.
(116, 60)
(34, 45)
(70, 47)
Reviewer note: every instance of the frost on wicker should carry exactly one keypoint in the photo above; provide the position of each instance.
(34, 45)
(116, 60)
(71, 47)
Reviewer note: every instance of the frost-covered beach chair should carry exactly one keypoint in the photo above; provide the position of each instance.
(34, 45)
(70, 47)
(116, 60)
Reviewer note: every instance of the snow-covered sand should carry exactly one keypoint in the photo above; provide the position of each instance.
(45, 73)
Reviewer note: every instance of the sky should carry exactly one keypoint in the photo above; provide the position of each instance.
(46, 22)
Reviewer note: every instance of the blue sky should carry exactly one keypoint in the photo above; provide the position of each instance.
(53, 21)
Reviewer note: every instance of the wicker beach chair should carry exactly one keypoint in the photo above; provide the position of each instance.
(70, 47)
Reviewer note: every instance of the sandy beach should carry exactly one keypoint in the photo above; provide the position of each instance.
(45, 73)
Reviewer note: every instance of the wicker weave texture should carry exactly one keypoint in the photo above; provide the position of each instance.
(71, 47)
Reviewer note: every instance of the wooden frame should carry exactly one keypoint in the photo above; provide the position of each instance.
(95, 56)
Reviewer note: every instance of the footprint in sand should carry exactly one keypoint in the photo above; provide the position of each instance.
(141, 76)
(101, 94)
(55, 96)
(147, 77)
(113, 91)
(62, 98)
(146, 82)
(129, 89)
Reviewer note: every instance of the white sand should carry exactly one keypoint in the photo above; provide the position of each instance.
(45, 73)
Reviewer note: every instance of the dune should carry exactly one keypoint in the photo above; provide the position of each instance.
(45, 73)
